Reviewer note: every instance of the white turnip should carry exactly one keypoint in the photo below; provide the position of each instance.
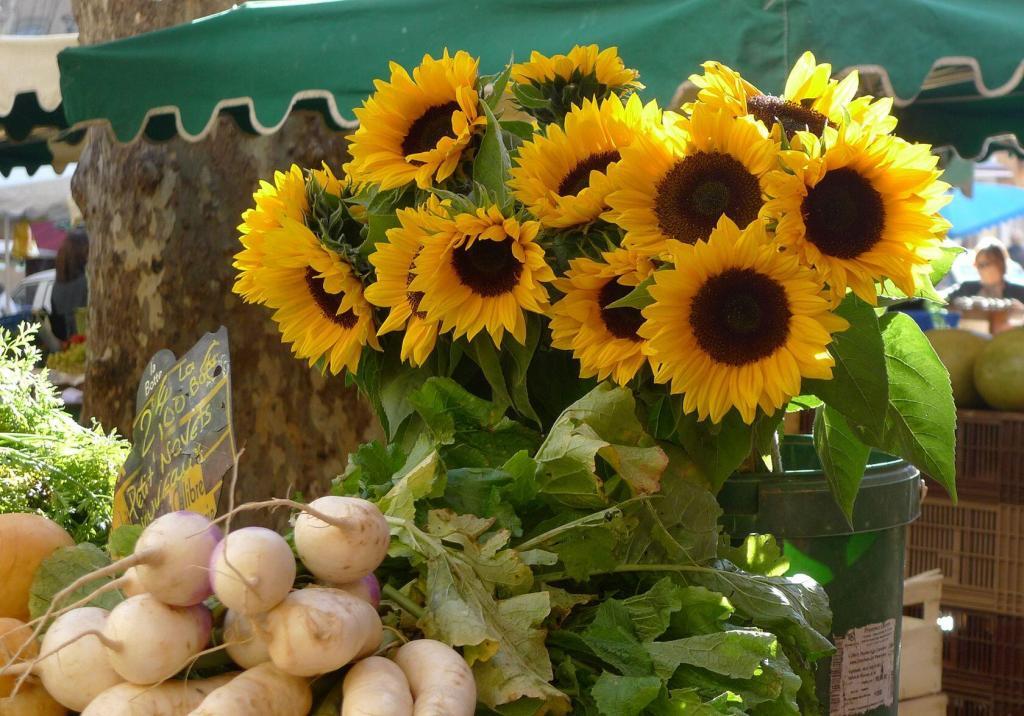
(171, 698)
(252, 570)
(317, 630)
(150, 641)
(174, 556)
(348, 548)
(171, 561)
(245, 647)
(74, 666)
(441, 681)
(376, 686)
(262, 690)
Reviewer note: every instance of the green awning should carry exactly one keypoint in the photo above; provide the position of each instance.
(33, 129)
(946, 63)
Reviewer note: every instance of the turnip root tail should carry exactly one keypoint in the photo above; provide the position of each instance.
(441, 681)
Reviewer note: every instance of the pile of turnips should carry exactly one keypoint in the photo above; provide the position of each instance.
(135, 658)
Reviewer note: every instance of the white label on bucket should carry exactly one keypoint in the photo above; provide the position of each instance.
(862, 669)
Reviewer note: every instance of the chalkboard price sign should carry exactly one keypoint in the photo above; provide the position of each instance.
(182, 437)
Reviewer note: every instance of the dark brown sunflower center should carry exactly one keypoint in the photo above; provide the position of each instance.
(844, 214)
(329, 303)
(740, 316)
(620, 322)
(699, 189)
(429, 128)
(793, 117)
(579, 178)
(487, 267)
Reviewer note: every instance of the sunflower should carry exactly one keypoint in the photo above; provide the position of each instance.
(480, 271)
(416, 128)
(275, 203)
(859, 210)
(604, 340)
(677, 182)
(561, 175)
(286, 202)
(318, 300)
(586, 72)
(605, 66)
(737, 324)
(394, 263)
(811, 100)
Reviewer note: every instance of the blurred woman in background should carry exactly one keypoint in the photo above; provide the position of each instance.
(71, 290)
(991, 260)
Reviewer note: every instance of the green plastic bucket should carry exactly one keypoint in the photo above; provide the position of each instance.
(861, 568)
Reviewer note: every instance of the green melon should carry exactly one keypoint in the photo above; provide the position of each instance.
(958, 350)
(999, 371)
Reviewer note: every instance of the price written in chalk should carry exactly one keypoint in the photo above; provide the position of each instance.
(183, 441)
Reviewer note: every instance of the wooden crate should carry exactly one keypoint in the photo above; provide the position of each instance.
(978, 546)
(990, 456)
(921, 640)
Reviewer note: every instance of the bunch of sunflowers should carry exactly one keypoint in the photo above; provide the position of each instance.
(709, 257)
(576, 314)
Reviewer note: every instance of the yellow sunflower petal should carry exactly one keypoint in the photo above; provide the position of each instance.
(415, 129)
(741, 336)
(603, 340)
(474, 275)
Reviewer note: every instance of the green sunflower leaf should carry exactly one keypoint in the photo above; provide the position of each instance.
(492, 163)
(920, 418)
(942, 265)
(529, 96)
(717, 448)
(497, 83)
(516, 359)
(859, 388)
(485, 355)
(803, 402)
(843, 457)
(518, 128)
